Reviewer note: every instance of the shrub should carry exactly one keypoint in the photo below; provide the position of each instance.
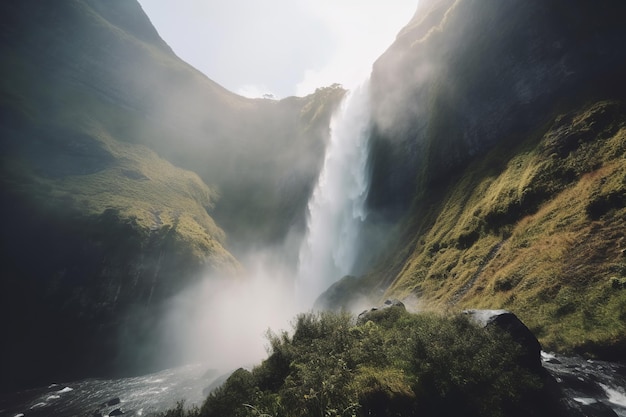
(462, 369)
(395, 364)
(618, 283)
(229, 399)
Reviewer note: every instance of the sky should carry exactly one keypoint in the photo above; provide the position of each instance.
(280, 47)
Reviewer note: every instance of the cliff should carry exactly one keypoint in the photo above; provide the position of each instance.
(121, 166)
(463, 76)
(498, 153)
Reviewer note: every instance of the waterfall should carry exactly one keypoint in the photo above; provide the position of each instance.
(336, 208)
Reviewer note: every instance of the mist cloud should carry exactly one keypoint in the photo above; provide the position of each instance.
(222, 321)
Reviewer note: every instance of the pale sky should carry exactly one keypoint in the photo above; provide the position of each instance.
(280, 47)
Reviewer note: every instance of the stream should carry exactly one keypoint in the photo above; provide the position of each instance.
(135, 396)
(591, 387)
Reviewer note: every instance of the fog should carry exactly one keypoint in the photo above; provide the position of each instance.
(423, 95)
(222, 320)
(289, 186)
(292, 185)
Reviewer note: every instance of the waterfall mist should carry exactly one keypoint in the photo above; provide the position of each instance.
(222, 321)
(336, 209)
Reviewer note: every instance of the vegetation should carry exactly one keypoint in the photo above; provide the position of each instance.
(536, 228)
(392, 364)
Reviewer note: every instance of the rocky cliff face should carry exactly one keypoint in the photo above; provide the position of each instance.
(498, 143)
(465, 75)
(116, 157)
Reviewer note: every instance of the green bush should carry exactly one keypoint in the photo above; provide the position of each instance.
(394, 364)
(230, 399)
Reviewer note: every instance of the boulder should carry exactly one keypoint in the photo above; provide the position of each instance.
(111, 402)
(344, 294)
(367, 314)
(507, 321)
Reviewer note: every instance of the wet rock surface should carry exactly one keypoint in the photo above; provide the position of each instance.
(367, 314)
(589, 387)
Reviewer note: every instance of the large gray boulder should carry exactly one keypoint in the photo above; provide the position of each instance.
(521, 334)
(367, 314)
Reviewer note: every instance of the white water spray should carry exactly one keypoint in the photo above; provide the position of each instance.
(336, 208)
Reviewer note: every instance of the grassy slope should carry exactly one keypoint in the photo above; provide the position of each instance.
(514, 197)
(72, 145)
(537, 229)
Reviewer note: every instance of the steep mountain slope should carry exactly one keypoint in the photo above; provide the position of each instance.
(537, 229)
(116, 157)
(465, 75)
(498, 150)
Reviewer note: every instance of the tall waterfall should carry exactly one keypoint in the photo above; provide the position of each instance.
(336, 208)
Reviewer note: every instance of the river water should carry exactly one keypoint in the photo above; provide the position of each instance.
(592, 388)
(136, 396)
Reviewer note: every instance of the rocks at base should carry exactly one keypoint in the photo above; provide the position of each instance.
(511, 324)
(111, 402)
(367, 314)
(345, 294)
(568, 382)
(101, 410)
(572, 387)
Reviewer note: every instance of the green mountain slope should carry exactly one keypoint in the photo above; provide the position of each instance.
(537, 229)
(465, 75)
(72, 119)
(116, 158)
(498, 153)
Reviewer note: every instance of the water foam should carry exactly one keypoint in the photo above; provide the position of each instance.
(337, 207)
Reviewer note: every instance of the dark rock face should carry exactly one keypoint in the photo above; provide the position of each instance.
(343, 295)
(83, 294)
(509, 322)
(465, 75)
